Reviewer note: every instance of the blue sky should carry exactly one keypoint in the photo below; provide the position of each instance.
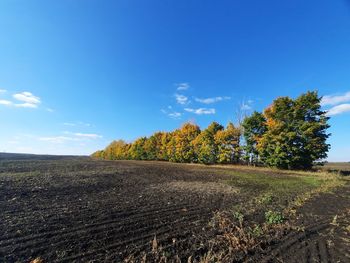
(74, 75)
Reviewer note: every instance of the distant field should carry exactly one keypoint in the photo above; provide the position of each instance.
(342, 168)
(31, 157)
(81, 210)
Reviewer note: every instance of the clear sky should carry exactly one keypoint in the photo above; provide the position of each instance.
(74, 75)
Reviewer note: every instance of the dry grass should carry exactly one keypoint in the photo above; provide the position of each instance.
(37, 260)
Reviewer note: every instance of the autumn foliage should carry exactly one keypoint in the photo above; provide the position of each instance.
(188, 144)
(289, 134)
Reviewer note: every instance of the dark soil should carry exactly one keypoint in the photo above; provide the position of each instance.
(81, 210)
(324, 234)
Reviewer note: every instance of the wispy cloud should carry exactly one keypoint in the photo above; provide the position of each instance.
(87, 135)
(3, 90)
(26, 105)
(335, 99)
(79, 123)
(83, 135)
(175, 114)
(58, 139)
(172, 114)
(246, 105)
(28, 99)
(339, 109)
(181, 99)
(5, 102)
(71, 136)
(69, 124)
(201, 111)
(182, 86)
(211, 100)
(25, 100)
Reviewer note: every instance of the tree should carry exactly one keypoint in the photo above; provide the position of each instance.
(137, 149)
(116, 150)
(290, 134)
(254, 127)
(151, 148)
(227, 142)
(205, 146)
(184, 148)
(296, 133)
(313, 125)
(98, 154)
(164, 144)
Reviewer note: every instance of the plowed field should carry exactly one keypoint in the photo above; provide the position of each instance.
(83, 210)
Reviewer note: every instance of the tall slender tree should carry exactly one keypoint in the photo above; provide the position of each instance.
(254, 127)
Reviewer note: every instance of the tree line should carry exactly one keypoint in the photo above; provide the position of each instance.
(289, 134)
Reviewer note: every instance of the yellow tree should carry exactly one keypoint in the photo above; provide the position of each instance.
(184, 137)
(227, 142)
(206, 149)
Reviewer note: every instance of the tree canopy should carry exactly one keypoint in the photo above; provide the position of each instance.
(289, 134)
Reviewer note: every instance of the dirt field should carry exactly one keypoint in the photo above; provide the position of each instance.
(325, 234)
(81, 210)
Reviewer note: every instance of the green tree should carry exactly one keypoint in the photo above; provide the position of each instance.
(254, 127)
(151, 148)
(296, 133)
(137, 149)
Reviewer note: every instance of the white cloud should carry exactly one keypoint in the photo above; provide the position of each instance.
(3, 90)
(201, 111)
(339, 109)
(182, 86)
(175, 115)
(181, 99)
(245, 106)
(5, 102)
(69, 124)
(83, 135)
(84, 124)
(211, 100)
(49, 110)
(73, 137)
(27, 97)
(26, 105)
(335, 99)
(79, 123)
(58, 139)
(87, 135)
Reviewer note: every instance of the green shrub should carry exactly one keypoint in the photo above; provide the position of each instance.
(273, 217)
